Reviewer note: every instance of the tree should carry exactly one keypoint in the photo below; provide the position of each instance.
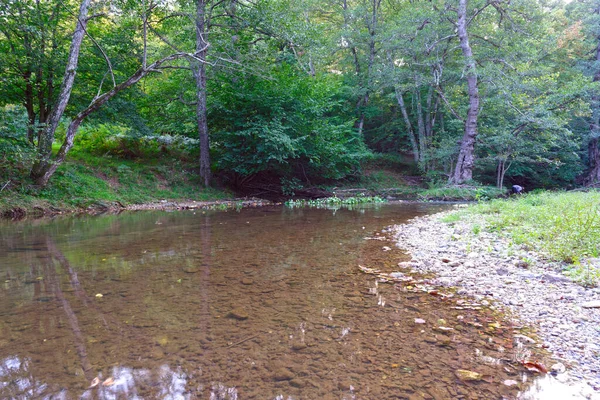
(592, 175)
(32, 42)
(45, 165)
(466, 157)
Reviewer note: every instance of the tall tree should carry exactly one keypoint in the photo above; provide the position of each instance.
(198, 65)
(592, 175)
(466, 157)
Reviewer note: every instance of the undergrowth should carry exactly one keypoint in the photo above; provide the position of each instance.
(88, 180)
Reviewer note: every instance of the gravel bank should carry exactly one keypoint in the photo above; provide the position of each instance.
(486, 266)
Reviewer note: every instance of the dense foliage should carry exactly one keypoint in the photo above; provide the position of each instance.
(300, 93)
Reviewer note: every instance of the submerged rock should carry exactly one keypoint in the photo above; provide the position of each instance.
(238, 313)
(468, 376)
(283, 374)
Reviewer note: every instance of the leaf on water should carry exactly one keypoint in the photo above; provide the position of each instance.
(94, 382)
(535, 367)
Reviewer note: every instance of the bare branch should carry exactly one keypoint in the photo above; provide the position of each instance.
(452, 110)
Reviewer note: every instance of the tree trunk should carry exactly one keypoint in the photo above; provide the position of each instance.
(51, 165)
(44, 152)
(199, 69)
(592, 175)
(409, 128)
(464, 165)
(420, 126)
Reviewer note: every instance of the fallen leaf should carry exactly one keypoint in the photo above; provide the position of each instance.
(98, 295)
(535, 367)
(95, 382)
(108, 382)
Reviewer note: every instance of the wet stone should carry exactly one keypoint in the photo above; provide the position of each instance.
(283, 374)
(238, 313)
(468, 376)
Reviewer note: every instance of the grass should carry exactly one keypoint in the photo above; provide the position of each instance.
(86, 180)
(460, 193)
(565, 226)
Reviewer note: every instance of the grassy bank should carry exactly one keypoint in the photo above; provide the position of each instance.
(88, 181)
(564, 226)
(91, 182)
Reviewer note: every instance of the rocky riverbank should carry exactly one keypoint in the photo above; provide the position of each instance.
(565, 315)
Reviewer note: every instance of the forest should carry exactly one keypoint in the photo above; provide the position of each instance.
(303, 93)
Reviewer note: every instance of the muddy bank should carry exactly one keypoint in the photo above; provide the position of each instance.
(101, 207)
(520, 281)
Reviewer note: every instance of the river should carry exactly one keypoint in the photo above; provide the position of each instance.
(264, 303)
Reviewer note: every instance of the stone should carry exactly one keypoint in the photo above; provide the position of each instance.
(522, 264)
(558, 368)
(299, 346)
(283, 374)
(468, 376)
(238, 313)
(297, 383)
(247, 281)
(591, 304)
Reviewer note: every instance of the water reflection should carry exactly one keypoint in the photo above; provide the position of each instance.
(265, 304)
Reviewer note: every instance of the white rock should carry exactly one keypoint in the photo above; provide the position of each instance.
(591, 304)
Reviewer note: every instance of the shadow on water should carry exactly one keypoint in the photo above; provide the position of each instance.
(257, 304)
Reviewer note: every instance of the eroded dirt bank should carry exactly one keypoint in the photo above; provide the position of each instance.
(565, 315)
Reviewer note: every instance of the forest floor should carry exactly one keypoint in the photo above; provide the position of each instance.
(521, 279)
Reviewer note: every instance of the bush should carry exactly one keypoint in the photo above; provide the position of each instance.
(289, 126)
(123, 142)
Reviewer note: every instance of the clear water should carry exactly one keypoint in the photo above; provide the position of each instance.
(259, 304)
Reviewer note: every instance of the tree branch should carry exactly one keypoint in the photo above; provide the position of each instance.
(456, 114)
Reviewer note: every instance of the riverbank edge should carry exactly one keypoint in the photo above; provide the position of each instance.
(49, 209)
(517, 280)
(115, 207)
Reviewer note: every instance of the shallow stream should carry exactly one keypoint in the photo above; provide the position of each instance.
(265, 303)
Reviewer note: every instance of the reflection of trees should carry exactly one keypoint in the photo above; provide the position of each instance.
(54, 285)
(22, 376)
(17, 381)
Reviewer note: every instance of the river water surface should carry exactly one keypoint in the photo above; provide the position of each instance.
(262, 303)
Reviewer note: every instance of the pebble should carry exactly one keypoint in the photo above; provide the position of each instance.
(591, 304)
(564, 315)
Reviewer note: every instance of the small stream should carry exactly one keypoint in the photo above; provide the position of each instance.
(262, 303)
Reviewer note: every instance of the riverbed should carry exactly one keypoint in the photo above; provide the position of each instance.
(267, 303)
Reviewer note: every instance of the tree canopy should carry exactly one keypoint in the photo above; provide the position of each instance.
(304, 91)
